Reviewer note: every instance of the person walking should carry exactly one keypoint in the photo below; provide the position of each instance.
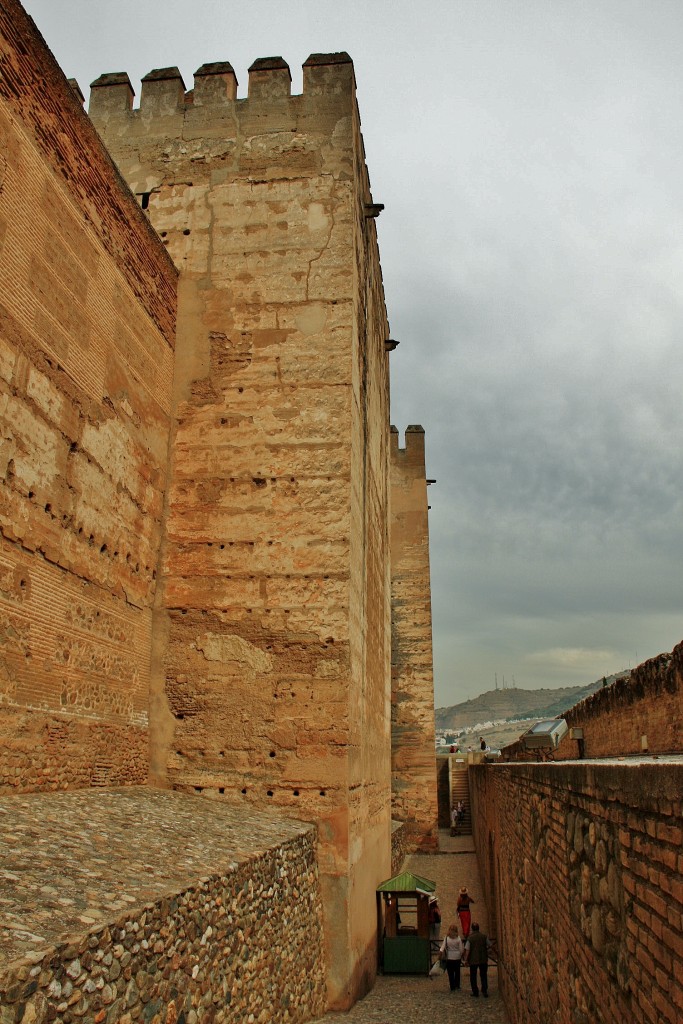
(477, 957)
(434, 916)
(463, 911)
(451, 951)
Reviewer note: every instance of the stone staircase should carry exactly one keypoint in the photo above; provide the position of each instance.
(460, 790)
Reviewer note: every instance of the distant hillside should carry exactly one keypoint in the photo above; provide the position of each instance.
(501, 705)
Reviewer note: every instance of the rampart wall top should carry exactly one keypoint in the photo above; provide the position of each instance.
(116, 92)
(270, 79)
(163, 90)
(640, 714)
(77, 90)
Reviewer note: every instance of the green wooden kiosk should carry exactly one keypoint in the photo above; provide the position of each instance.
(405, 946)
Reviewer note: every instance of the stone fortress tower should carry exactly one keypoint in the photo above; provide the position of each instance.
(412, 678)
(197, 500)
(272, 610)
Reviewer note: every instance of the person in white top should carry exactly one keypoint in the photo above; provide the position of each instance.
(451, 952)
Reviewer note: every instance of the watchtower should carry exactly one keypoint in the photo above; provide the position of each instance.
(413, 760)
(270, 679)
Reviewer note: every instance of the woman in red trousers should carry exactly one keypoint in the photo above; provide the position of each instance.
(463, 911)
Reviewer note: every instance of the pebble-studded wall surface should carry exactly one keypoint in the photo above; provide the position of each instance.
(141, 905)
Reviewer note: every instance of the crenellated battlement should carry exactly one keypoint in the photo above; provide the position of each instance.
(414, 450)
(215, 83)
(270, 79)
(111, 93)
(207, 134)
(163, 91)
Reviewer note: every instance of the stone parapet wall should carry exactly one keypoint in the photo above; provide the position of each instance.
(645, 707)
(582, 867)
(214, 917)
(221, 950)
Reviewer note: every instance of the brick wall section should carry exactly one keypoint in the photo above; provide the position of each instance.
(271, 675)
(34, 90)
(413, 763)
(582, 866)
(43, 752)
(648, 703)
(87, 307)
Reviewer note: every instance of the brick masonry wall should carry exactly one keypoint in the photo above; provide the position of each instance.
(87, 310)
(42, 752)
(647, 703)
(413, 769)
(270, 678)
(582, 867)
(34, 90)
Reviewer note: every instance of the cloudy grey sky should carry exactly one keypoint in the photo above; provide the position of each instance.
(529, 154)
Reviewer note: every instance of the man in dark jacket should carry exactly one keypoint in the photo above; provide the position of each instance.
(477, 956)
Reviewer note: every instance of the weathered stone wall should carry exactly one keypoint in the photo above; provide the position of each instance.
(239, 939)
(399, 848)
(413, 763)
(271, 670)
(647, 703)
(443, 790)
(87, 308)
(582, 867)
(42, 751)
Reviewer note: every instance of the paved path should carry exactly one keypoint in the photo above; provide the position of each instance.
(414, 999)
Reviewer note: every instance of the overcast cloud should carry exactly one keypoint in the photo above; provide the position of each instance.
(530, 158)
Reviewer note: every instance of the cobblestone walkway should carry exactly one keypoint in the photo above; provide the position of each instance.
(411, 999)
